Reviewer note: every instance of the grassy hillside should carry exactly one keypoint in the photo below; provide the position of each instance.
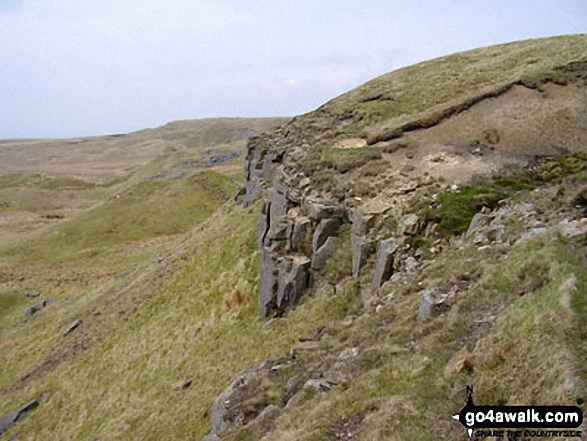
(421, 95)
(162, 268)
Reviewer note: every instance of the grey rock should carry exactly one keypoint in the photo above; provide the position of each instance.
(229, 408)
(267, 284)
(186, 384)
(269, 412)
(362, 248)
(348, 320)
(319, 210)
(409, 224)
(222, 158)
(410, 265)
(573, 228)
(320, 257)
(319, 385)
(497, 232)
(262, 229)
(211, 437)
(531, 233)
(31, 310)
(377, 207)
(426, 304)
(277, 209)
(326, 228)
(383, 265)
(361, 223)
(294, 278)
(305, 346)
(71, 327)
(261, 163)
(348, 353)
(478, 223)
(277, 231)
(480, 239)
(296, 232)
(16, 415)
(31, 294)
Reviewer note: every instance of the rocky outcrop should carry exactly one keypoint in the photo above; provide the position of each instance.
(31, 310)
(21, 413)
(246, 397)
(296, 231)
(71, 327)
(384, 265)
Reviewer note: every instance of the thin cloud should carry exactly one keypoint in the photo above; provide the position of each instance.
(78, 68)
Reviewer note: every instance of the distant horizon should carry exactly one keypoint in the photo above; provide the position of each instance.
(100, 135)
(72, 70)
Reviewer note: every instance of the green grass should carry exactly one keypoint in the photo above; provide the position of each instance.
(345, 160)
(455, 209)
(148, 210)
(551, 170)
(181, 327)
(422, 95)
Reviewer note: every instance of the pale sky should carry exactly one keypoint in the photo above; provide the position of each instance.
(77, 68)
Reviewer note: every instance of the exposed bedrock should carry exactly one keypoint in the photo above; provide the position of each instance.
(296, 233)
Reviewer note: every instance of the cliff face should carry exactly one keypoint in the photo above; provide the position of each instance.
(290, 219)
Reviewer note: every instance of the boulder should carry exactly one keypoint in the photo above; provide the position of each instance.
(71, 327)
(36, 307)
(348, 353)
(305, 346)
(326, 228)
(320, 257)
(270, 412)
(461, 361)
(319, 385)
(277, 209)
(426, 304)
(16, 415)
(479, 222)
(385, 255)
(480, 239)
(237, 405)
(318, 209)
(409, 224)
(573, 228)
(31, 294)
(410, 265)
(283, 280)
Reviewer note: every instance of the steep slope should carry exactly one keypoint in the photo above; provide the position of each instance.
(421, 193)
(81, 259)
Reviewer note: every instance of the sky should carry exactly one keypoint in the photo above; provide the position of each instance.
(74, 68)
